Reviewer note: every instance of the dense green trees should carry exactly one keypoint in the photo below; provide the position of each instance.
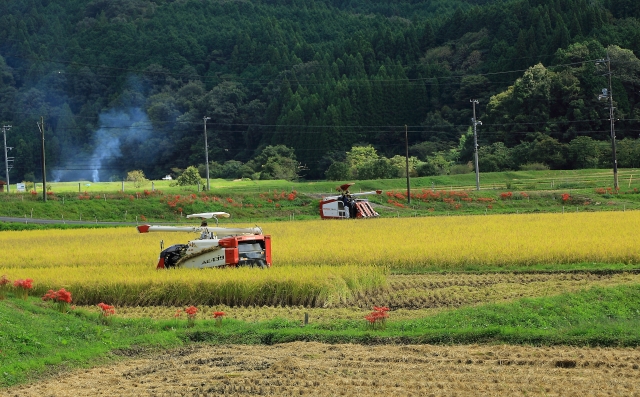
(291, 87)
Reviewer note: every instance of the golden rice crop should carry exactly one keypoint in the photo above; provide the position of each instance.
(443, 242)
(129, 285)
(455, 242)
(316, 263)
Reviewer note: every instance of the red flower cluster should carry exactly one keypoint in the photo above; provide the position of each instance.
(485, 200)
(218, 317)
(107, 310)
(397, 204)
(378, 317)
(24, 284)
(62, 298)
(62, 295)
(277, 196)
(23, 287)
(427, 195)
(191, 311)
(191, 315)
(3, 283)
(565, 197)
(506, 195)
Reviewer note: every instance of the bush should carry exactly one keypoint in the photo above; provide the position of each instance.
(459, 169)
(534, 167)
(337, 171)
(137, 177)
(189, 177)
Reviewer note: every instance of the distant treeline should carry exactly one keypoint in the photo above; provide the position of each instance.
(129, 85)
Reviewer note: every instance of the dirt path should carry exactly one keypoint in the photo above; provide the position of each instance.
(353, 370)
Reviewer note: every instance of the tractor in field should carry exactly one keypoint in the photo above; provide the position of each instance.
(216, 247)
(347, 205)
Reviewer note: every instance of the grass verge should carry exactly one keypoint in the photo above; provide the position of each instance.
(36, 338)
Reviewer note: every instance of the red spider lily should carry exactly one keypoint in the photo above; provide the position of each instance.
(62, 295)
(565, 197)
(23, 287)
(191, 311)
(24, 284)
(178, 313)
(191, 315)
(61, 298)
(107, 310)
(378, 317)
(218, 317)
(4, 281)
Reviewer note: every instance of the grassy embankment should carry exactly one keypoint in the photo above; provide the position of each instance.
(261, 201)
(37, 340)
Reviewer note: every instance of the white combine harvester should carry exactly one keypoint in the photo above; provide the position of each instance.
(216, 247)
(347, 205)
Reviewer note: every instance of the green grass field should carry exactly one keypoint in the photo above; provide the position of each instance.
(37, 340)
(252, 201)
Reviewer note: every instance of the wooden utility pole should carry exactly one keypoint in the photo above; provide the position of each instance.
(6, 155)
(608, 95)
(475, 142)
(406, 145)
(44, 170)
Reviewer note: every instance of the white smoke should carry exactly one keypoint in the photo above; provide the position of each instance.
(117, 127)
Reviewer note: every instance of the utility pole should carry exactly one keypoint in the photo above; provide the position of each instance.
(206, 149)
(475, 142)
(406, 145)
(6, 155)
(608, 94)
(44, 171)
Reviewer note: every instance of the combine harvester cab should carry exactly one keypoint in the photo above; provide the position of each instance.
(347, 205)
(216, 246)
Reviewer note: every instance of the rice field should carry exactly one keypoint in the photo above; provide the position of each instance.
(316, 263)
(310, 368)
(410, 296)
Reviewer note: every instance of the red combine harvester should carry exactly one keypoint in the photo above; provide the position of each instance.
(216, 247)
(347, 205)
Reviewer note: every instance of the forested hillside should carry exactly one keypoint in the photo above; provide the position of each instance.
(127, 84)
